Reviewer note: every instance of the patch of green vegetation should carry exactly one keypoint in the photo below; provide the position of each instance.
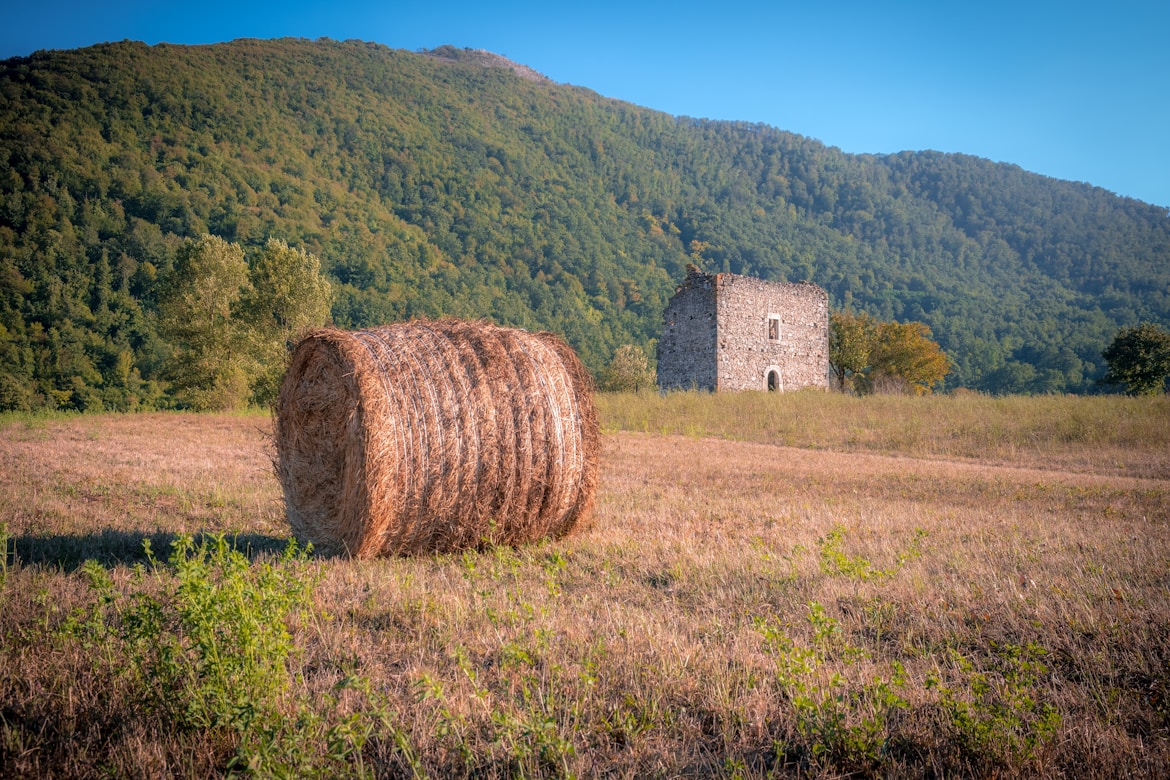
(23, 424)
(205, 639)
(995, 708)
(835, 562)
(839, 721)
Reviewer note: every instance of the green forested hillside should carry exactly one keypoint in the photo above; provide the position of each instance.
(439, 184)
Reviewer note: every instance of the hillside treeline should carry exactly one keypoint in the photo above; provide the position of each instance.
(433, 184)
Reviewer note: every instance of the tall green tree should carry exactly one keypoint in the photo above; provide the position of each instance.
(212, 364)
(628, 371)
(231, 323)
(851, 339)
(1139, 359)
(287, 297)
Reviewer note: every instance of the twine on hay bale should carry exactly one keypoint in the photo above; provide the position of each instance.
(434, 436)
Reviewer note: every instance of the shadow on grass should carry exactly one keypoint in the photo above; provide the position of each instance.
(112, 548)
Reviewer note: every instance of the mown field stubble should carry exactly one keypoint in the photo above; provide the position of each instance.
(808, 585)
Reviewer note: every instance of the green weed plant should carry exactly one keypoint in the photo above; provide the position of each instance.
(993, 708)
(839, 721)
(835, 562)
(206, 638)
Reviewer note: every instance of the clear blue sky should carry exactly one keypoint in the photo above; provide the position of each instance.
(1074, 90)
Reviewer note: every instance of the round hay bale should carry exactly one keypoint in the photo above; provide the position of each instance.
(434, 436)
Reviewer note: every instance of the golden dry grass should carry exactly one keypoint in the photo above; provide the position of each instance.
(1099, 434)
(176, 473)
(652, 643)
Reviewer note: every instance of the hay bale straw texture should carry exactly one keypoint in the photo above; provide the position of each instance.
(434, 436)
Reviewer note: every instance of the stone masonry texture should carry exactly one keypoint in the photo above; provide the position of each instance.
(724, 332)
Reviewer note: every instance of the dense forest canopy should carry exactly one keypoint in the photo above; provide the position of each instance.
(454, 183)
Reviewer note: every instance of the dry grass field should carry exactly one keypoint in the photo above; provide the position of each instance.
(809, 585)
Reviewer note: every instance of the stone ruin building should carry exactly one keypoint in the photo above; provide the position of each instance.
(725, 332)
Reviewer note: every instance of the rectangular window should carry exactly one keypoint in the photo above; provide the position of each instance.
(773, 327)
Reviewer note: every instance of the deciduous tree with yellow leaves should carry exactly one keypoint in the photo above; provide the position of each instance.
(869, 356)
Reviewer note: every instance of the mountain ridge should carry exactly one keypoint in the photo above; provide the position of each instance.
(451, 185)
(487, 59)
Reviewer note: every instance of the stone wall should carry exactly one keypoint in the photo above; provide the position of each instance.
(686, 350)
(795, 347)
(728, 332)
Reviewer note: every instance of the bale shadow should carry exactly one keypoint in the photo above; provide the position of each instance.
(112, 548)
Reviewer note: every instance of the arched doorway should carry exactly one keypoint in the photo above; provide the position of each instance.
(775, 384)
